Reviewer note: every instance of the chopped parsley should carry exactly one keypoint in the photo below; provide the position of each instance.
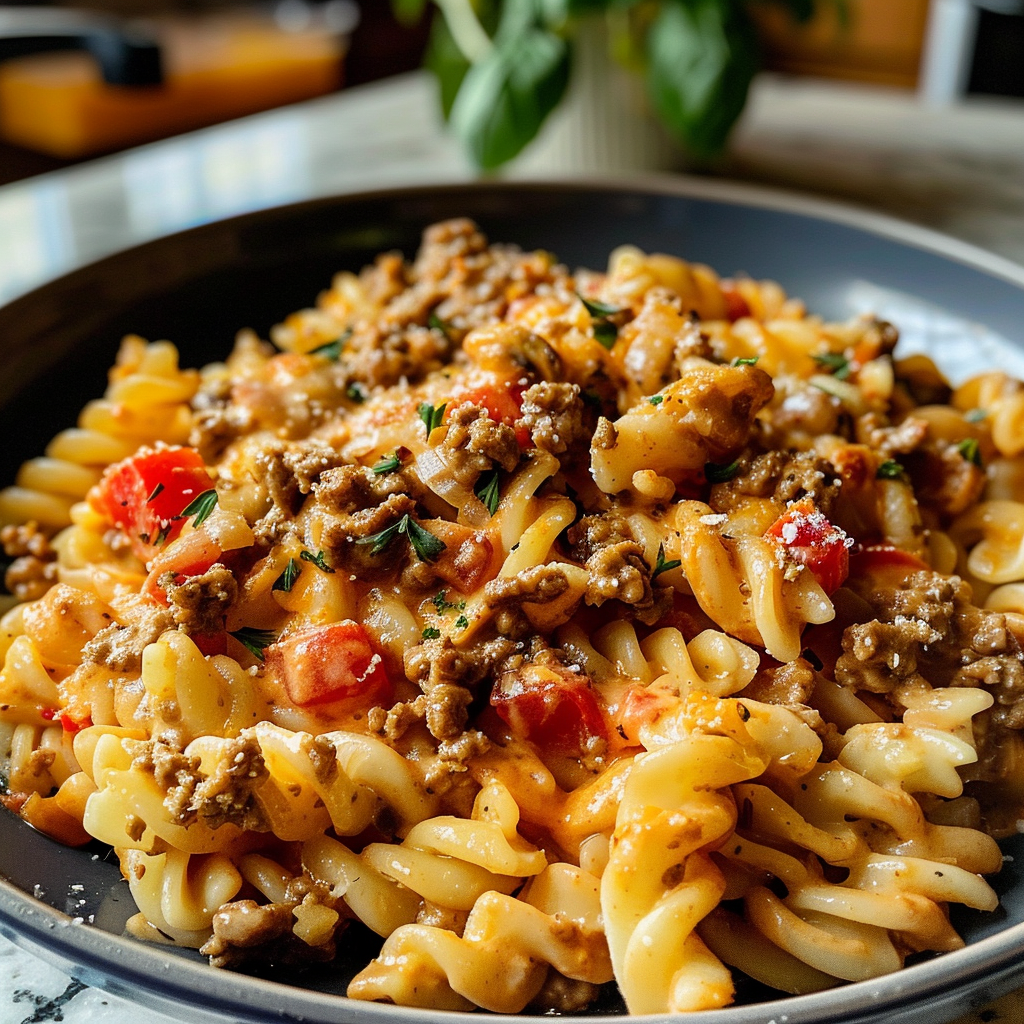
(432, 415)
(255, 640)
(487, 490)
(890, 470)
(319, 560)
(427, 547)
(332, 349)
(462, 622)
(835, 362)
(442, 604)
(431, 633)
(969, 449)
(161, 535)
(287, 578)
(720, 472)
(201, 506)
(663, 564)
(656, 399)
(437, 324)
(153, 494)
(387, 464)
(356, 392)
(605, 331)
(745, 361)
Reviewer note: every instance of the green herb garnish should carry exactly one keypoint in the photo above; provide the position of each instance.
(332, 349)
(656, 399)
(161, 535)
(437, 324)
(970, 450)
(976, 415)
(663, 564)
(287, 578)
(156, 490)
(319, 560)
(442, 604)
(835, 362)
(745, 361)
(890, 470)
(356, 392)
(431, 633)
(719, 473)
(462, 622)
(387, 464)
(255, 640)
(605, 331)
(201, 506)
(487, 490)
(432, 415)
(427, 547)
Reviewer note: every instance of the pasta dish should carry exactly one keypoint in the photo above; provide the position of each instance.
(560, 628)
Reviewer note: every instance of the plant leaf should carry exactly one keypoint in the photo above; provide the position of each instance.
(200, 506)
(319, 560)
(702, 56)
(424, 543)
(287, 579)
(488, 491)
(504, 99)
(254, 640)
(446, 62)
(663, 564)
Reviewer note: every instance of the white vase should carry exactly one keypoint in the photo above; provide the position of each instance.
(604, 124)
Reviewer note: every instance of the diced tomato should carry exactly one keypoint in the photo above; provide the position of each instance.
(190, 555)
(145, 495)
(73, 725)
(211, 643)
(810, 539)
(877, 557)
(556, 709)
(736, 306)
(469, 558)
(337, 665)
(503, 403)
(640, 706)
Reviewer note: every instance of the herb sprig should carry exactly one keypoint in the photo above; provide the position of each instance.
(254, 640)
(428, 548)
(664, 564)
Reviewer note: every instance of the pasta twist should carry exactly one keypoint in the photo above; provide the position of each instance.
(145, 402)
(501, 960)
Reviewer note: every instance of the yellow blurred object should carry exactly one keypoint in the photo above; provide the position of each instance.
(215, 68)
(880, 42)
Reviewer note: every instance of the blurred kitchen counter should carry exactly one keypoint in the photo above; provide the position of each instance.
(958, 169)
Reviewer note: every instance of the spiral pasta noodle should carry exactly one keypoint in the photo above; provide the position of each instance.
(559, 629)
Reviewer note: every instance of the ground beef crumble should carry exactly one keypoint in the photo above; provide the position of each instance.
(33, 567)
(200, 603)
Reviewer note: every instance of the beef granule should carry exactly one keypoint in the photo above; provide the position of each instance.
(944, 480)
(375, 357)
(227, 794)
(555, 414)
(119, 647)
(33, 569)
(782, 476)
(474, 443)
(607, 547)
(200, 603)
(927, 632)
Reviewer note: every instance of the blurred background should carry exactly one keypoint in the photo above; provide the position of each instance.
(222, 60)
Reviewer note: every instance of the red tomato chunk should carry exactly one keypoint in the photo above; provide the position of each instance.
(145, 495)
(557, 710)
(330, 665)
(502, 401)
(810, 539)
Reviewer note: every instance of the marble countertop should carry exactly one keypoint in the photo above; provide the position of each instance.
(957, 169)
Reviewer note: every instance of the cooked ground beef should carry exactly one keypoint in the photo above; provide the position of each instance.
(607, 547)
(537, 585)
(928, 631)
(555, 414)
(782, 476)
(246, 932)
(33, 569)
(199, 604)
(226, 795)
(944, 478)
(119, 647)
(474, 443)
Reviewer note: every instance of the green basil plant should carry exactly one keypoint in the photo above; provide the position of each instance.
(503, 65)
